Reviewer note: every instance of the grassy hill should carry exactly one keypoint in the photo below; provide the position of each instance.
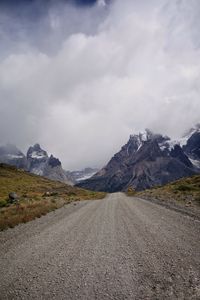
(37, 196)
(185, 191)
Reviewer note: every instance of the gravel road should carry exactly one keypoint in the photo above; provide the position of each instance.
(116, 248)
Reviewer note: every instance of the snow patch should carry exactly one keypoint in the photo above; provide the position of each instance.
(139, 139)
(183, 141)
(37, 155)
(87, 176)
(196, 163)
(169, 145)
(163, 147)
(143, 136)
(37, 171)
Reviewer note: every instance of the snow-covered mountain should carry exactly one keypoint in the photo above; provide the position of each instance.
(148, 160)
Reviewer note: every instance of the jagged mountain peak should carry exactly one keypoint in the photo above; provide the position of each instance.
(41, 164)
(37, 147)
(142, 136)
(138, 140)
(36, 152)
(54, 162)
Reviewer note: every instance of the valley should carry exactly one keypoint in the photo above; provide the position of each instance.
(99, 150)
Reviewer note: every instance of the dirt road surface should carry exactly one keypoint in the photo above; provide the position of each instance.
(116, 248)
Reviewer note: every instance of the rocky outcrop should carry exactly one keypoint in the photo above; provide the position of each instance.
(37, 160)
(177, 152)
(41, 164)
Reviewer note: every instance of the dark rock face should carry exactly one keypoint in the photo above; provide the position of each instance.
(177, 152)
(54, 162)
(147, 160)
(192, 148)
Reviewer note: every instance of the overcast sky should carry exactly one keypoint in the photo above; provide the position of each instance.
(80, 76)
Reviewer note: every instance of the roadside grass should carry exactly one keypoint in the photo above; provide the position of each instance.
(185, 191)
(37, 196)
(131, 192)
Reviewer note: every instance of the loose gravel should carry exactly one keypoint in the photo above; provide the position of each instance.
(115, 248)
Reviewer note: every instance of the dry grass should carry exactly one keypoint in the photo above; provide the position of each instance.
(37, 196)
(131, 192)
(185, 191)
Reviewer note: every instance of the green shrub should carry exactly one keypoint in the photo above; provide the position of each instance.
(184, 188)
(3, 203)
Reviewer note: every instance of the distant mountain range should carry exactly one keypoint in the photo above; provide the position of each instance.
(38, 162)
(148, 160)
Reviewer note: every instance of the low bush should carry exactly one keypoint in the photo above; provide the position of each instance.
(3, 203)
(184, 188)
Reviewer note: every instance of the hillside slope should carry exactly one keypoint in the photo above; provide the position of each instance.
(184, 192)
(37, 195)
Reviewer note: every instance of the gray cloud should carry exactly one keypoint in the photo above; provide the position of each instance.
(84, 79)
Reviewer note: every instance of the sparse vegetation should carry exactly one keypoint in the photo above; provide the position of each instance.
(131, 191)
(185, 191)
(37, 196)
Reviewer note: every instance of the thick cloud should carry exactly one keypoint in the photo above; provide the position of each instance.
(82, 79)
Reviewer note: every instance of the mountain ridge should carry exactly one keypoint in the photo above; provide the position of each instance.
(36, 161)
(147, 160)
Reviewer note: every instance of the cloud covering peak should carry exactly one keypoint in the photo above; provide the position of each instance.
(82, 79)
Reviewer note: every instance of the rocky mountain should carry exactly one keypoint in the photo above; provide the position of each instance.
(36, 161)
(41, 164)
(148, 160)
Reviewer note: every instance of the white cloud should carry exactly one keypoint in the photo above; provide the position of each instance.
(101, 2)
(139, 68)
